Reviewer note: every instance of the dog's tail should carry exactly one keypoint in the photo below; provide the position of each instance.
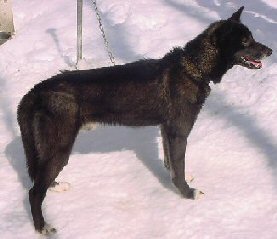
(25, 117)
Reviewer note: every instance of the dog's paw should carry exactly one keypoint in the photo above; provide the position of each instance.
(48, 230)
(60, 187)
(192, 193)
(197, 194)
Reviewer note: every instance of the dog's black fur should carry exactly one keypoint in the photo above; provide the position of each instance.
(168, 92)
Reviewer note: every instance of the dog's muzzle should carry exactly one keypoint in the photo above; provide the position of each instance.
(253, 61)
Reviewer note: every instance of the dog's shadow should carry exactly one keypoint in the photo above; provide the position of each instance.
(143, 141)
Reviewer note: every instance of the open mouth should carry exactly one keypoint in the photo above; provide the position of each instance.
(251, 63)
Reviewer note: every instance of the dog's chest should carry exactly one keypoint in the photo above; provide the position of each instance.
(194, 93)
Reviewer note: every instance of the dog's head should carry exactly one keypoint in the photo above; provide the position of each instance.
(237, 45)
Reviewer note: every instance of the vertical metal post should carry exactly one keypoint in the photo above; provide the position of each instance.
(79, 29)
(6, 20)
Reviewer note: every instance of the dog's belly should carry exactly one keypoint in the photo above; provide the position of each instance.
(127, 118)
(135, 120)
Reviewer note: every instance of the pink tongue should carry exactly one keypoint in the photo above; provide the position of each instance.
(255, 63)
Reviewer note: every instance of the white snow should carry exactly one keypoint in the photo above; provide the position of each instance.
(119, 188)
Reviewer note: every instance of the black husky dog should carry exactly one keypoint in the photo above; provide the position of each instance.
(168, 92)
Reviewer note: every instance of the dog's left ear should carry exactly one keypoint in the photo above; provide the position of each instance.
(236, 15)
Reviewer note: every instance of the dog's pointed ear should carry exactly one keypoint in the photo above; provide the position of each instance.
(236, 15)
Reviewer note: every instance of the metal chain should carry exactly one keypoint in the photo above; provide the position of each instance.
(103, 32)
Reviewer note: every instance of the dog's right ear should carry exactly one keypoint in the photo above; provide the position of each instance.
(236, 15)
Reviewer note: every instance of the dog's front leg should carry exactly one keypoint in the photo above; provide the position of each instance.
(177, 150)
(165, 148)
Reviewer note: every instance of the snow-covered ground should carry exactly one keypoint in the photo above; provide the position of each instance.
(119, 186)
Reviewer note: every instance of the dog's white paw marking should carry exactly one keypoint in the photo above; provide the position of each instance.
(48, 230)
(60, 187)
(189, 178)
(197, 194)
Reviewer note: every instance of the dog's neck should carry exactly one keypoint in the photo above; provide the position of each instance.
(202, 60)
(212, 73)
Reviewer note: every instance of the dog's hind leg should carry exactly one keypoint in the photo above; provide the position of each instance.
(165, 148)
(54, 139)
(45, 176)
